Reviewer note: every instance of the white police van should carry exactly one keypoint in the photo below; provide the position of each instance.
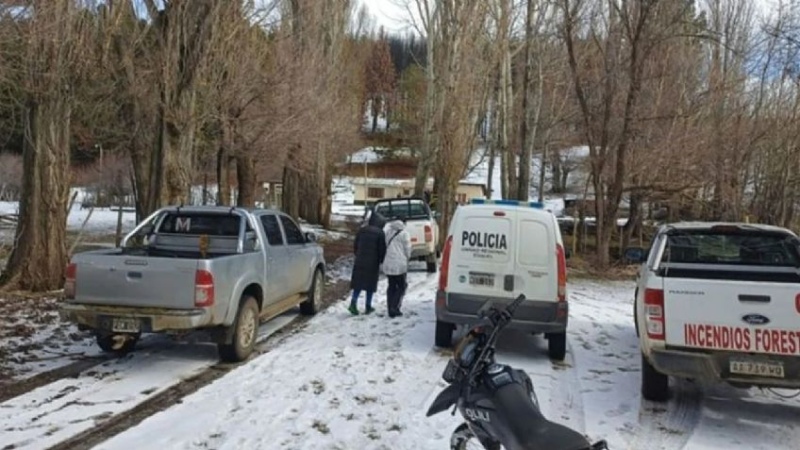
(496, 250)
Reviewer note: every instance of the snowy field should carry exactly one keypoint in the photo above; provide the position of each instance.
(365, 383)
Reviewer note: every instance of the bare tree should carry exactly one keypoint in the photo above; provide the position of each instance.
(51, 67)
(624, 35)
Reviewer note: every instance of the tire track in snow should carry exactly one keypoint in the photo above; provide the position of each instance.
(669, 426)
(126, 406)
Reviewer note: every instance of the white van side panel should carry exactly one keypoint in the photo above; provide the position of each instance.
(536, 275)
(482, 252)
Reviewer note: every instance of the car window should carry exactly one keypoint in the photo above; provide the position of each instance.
(272, 229)
(200, 223)
(404, 209)
(735, 248)
(293, 234)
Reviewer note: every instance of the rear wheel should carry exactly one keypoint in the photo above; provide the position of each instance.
(557, 346)
(444, 334)
(119, 343)
(245, 331)
(655, 385)
(311, 305)
(430, 262)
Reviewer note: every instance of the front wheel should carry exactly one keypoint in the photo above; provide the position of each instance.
(311, 305)
(464, 439)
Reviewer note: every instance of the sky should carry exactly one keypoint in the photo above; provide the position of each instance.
(395, 19)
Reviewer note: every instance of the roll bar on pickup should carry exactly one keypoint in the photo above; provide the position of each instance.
(154, 220)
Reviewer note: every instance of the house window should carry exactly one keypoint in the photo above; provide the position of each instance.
(375, 192)
(461, 198)
(406, 192)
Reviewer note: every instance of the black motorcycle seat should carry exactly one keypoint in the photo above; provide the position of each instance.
(546, 435)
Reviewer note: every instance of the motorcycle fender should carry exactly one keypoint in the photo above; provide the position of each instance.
(447, 398)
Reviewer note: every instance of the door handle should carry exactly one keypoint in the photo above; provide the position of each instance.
(754, 298)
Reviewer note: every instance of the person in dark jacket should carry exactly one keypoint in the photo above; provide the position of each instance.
(370, 249)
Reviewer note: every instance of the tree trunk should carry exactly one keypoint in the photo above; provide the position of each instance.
(39, 257)
(224, 164)
(290, 197)
(246, 179)
(530, 113)
(375, 109)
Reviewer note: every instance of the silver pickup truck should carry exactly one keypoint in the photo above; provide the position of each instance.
(186, 268)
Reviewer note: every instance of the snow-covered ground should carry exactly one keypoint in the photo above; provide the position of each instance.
(365, 382)
(60, 410)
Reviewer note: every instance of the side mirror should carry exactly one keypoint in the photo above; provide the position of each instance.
(567, 253)
(436, 215)
(311, 237)
(634, 255)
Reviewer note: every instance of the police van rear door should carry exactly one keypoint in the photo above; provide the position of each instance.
(482, 256)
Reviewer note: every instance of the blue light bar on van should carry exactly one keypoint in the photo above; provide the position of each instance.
(483, 201)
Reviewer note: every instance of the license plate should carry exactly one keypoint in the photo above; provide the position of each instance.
(125, 325)
(757, 368)
(481, 279)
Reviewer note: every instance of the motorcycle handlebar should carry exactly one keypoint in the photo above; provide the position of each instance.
(503, 317)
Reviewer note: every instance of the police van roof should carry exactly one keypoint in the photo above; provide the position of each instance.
(520, 203)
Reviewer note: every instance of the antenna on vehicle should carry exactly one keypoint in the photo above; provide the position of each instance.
(178, 211)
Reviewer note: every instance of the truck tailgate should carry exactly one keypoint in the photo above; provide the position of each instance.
(416, 231)
(743, 316)
(122, 280)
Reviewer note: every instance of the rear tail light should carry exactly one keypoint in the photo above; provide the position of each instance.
(69, 282)
(428, 233)
(444, 271)
(203, 288)
(654, 313)
(562, 273)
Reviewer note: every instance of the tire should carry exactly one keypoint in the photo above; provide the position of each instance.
(462, 436)
(557, 346)
(444, 334)
(245, 332)
(655, 385)
(430, 262)
(107, 342)
(311, 305)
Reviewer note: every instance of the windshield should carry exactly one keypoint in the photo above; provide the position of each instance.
(735, 248)
(403, 209)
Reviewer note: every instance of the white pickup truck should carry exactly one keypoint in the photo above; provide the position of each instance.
(718, 301)
(420, 223)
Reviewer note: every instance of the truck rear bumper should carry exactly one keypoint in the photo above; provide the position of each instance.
(421, 251)
(716, 367)
(100, 317)
(531, 316)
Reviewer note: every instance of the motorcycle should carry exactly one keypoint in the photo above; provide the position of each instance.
(498, 402)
